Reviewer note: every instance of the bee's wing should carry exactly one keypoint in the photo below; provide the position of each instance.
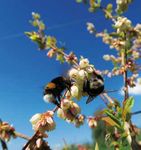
(90, 98)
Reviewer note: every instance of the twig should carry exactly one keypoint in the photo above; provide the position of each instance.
(103, 98)
(22, 136)
(136, 112)
(31, 140)
(108, 98)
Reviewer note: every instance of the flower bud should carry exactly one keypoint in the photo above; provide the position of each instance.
(73, 73)
(74, 91)
(65, 104)
(35, 118)
(48, 98)
(106, 57)
(84, 62)
(92, 123)
(75, 109)
(60, 113)
(79, 120)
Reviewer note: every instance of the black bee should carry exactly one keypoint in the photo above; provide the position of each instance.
(93, 86)
(54, 89)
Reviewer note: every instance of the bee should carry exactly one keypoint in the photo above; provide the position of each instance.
(53, 90)
(93, 86)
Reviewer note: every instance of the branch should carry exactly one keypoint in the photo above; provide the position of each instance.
(22, 135)
(34, 137)
(136, 112)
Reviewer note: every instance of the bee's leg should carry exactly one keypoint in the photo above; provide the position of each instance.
(4, 145)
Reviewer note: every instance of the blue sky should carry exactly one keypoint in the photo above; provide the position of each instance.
(24, 70)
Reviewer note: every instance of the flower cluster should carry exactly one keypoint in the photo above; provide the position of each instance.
(43, 122)
(115, 43)
(122, 5)
(122, 24)
(69, 110)
(83, 71)
(6, 131)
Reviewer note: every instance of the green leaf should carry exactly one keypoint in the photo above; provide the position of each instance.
(51, 41)
(129, 103)
(42, 25)
(109, 8)
(110, 121)
(60, 58)
(32, 35)
(99, 1)
(114, 118)
(79, 1)
(96, 146)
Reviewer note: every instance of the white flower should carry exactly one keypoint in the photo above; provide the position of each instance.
(35, 118)
(90, 27)
(60, 113)
(90, 69)
(48, 98)
(73, 73)
(119, 1)
(82, 74)
(74, 91)
(84, 62)
(122, 24)
(106, 57)
(138, 27)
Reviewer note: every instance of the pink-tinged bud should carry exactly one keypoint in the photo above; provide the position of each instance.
(43, 122)
(92, 123)
(51, 53)
(79, 120)
(65, 104)
(75, 109)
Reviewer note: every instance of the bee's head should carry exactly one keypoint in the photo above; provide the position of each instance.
(96, 81)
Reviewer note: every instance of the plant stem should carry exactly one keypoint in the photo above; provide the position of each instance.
(125, 75)
(22, 136)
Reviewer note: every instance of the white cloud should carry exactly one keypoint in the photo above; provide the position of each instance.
(133, 91)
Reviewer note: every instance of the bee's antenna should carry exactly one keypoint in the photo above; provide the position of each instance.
(110, 91)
